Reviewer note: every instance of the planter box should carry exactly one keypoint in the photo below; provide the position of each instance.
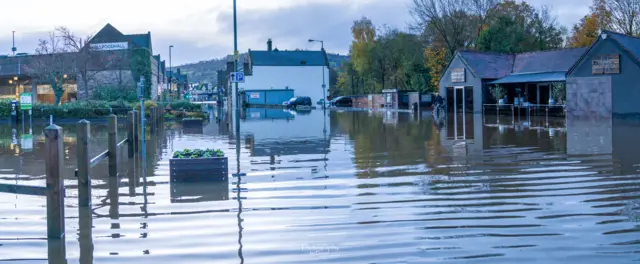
(199, 170)
(197, 122)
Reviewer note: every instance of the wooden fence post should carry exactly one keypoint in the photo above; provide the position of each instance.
(84, 180)
(113, 145)
(136, 128)
(130, 129)
(152, 119)
(55, 184)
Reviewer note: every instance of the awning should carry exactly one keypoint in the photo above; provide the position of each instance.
(537, 77)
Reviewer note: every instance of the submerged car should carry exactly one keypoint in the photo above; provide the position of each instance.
(298, 101)
(342, 101)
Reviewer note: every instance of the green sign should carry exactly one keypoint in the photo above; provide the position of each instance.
(26, 102)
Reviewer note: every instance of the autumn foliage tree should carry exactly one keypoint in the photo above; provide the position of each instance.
(435, 61)
(585, 32)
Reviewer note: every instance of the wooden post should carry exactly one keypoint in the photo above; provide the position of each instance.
(85, 235)
(55, 184)
(113, 145)
(152, 119)
(130, 129)
(84, 180)
(136, 127)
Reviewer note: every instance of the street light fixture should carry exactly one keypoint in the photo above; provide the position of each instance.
(324, 86)
(170, 70)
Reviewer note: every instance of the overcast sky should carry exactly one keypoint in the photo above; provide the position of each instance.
(203, 29)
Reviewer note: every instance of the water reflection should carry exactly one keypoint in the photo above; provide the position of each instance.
(352, 187)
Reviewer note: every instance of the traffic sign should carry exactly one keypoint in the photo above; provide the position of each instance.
(237, 77)
(26, 102)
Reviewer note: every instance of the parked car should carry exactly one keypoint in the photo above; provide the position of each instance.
(342, 101)
(298, 101)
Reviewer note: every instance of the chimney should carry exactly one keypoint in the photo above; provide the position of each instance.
(269, 45)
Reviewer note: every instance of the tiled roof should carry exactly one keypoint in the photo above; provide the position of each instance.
(488, 65)
(547, 61)
(288, 58)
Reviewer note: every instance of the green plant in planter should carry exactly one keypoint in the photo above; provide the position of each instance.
(559, 91)
(498, 92)
(198, 153)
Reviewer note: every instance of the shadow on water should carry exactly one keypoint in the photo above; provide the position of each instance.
(346, 187)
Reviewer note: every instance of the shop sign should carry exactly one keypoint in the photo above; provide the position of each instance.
(255, 95)
(26, 102)
(606, 64)
(457, 75)
(109, 46)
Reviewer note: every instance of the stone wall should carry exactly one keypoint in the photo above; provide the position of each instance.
(589, 96)
(112, 78)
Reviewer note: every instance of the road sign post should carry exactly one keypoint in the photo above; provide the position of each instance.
(237, 77)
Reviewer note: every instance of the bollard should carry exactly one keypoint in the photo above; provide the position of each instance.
(130, 124)
(55, 185)
(136, 127)
(113, 145)
(84, 180)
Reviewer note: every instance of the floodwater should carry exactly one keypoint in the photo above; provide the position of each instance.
(348, 187)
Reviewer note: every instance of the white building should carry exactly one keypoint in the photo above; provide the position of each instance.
(305, 72)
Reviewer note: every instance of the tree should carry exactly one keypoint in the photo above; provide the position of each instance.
(585, 32)
(89, 62)
(52, 65)
(518, 27)
(624, 15)
(435, 61)
(447, 20)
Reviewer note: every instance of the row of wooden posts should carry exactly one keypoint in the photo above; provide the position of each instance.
(54, 161)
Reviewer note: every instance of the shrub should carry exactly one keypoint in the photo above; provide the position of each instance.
(147, 106)
(185, 105)
(78, 109)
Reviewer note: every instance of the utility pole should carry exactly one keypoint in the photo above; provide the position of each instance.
(235, 52)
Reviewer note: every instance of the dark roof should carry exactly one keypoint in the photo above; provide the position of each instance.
(532, 77)
(140, 40)
(547, 61)
(488, 65)
(108, 34)
(630, 43)
(288, 58)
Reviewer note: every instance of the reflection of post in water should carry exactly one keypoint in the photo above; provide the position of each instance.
(57, 253)
(114, 197)
(85, 238)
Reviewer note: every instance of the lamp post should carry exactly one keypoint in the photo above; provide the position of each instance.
(170, 70)
(324, 86)
(13, 48)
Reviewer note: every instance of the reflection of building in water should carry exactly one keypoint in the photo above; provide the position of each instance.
(273, 132)
(463, 135)
(618, 137)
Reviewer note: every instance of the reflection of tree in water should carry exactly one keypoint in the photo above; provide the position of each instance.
(378, 145)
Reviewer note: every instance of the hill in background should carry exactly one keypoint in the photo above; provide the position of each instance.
(206, 71)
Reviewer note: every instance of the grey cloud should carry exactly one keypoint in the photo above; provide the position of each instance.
(291, 27)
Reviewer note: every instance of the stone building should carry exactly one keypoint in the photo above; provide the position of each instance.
(109, 60)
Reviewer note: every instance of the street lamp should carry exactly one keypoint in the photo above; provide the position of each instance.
(324, 86)
(170, 70)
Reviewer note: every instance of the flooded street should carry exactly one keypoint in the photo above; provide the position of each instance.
(348, 187)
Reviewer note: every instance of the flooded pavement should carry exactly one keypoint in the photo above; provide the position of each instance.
(349, 187)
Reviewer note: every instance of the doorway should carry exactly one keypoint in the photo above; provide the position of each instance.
(460, 103)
